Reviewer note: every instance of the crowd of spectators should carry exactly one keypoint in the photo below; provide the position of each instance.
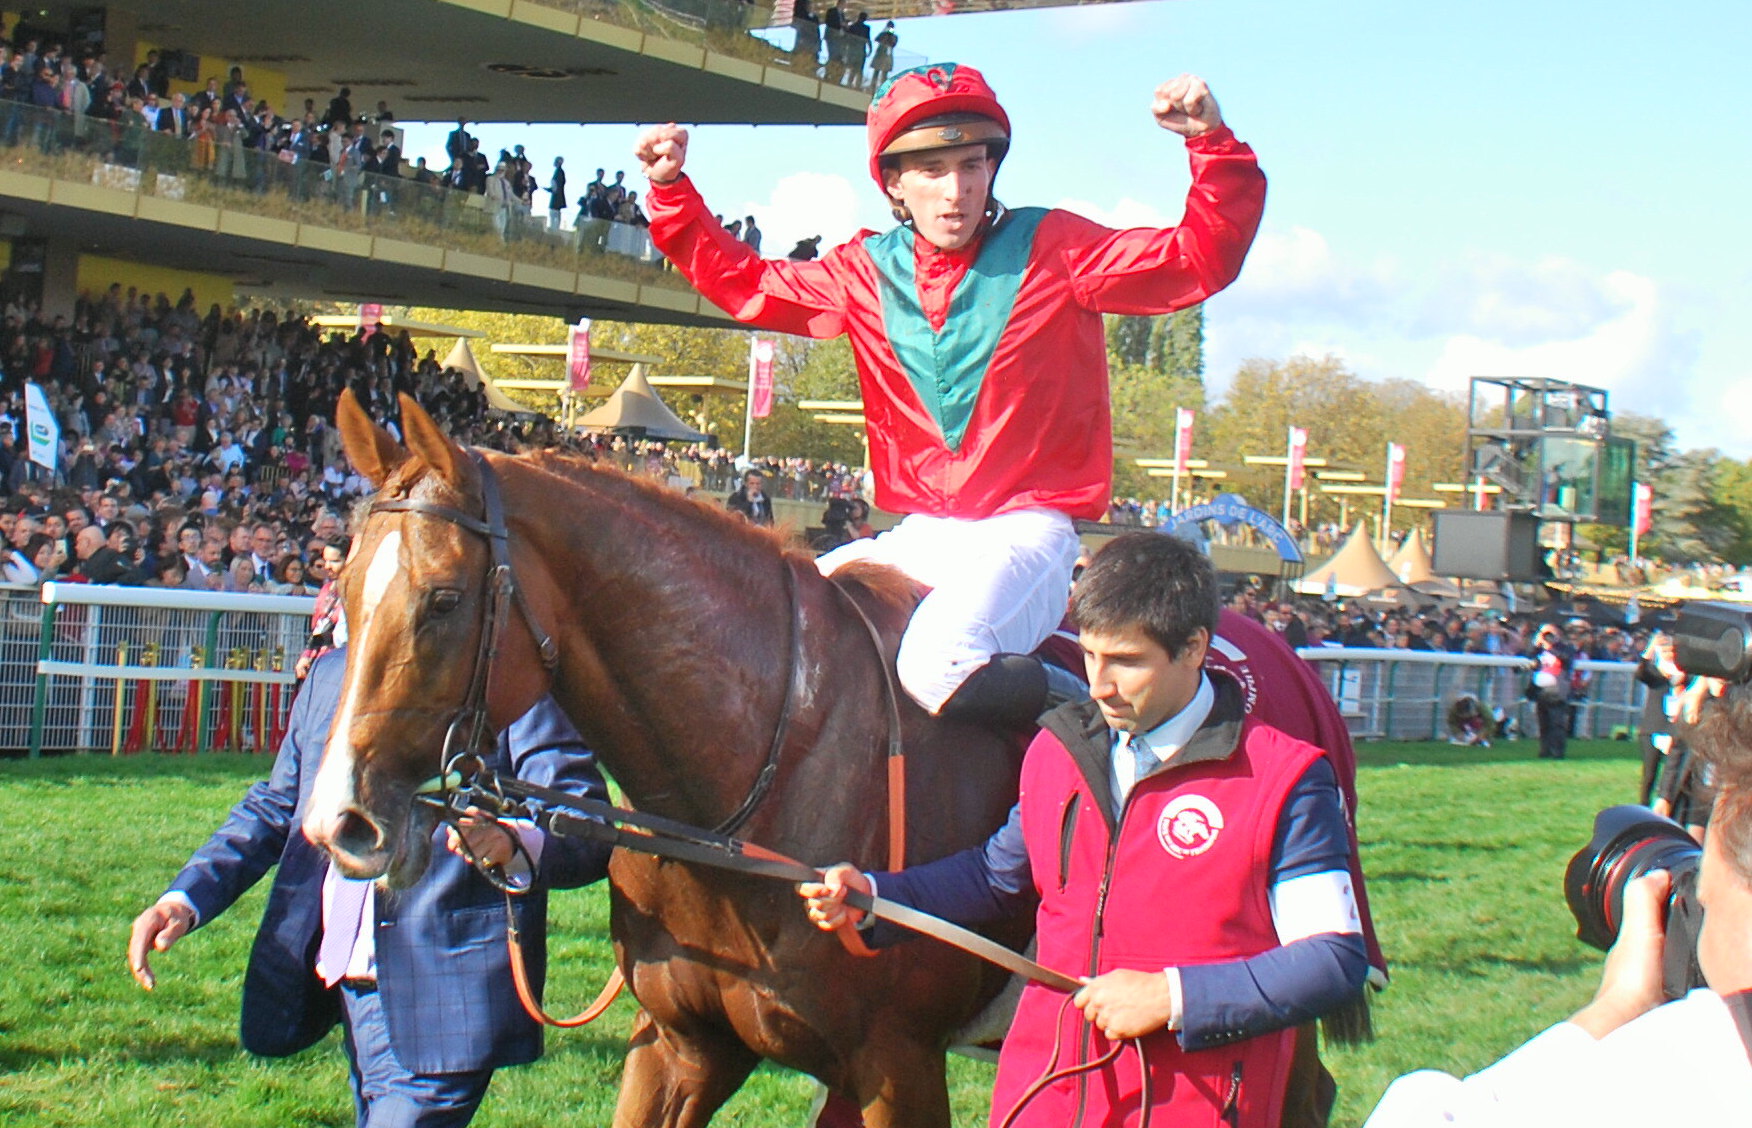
(335, 152)
(1312, 621)
(200, 450)
(841, 48)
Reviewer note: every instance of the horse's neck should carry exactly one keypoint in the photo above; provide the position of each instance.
(675, 638)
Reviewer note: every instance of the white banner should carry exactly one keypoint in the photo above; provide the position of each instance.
(40, 425)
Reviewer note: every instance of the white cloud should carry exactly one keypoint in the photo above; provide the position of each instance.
(804, 205)
(1126, 213)
(1480, 315)
(1613, 331)
(1083, 23)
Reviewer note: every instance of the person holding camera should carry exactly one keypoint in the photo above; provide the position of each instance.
(1630, 1058)
(1554, 662)
(1659, 672)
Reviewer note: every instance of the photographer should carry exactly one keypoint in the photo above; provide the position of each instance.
(1660, 674)
(1625, 1058)
(1554, 662)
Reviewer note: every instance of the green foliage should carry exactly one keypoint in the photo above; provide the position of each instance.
(1349, 421)
(1170, 345)
(1732, 495)
(1464, 848)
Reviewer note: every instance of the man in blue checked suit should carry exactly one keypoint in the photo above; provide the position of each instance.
(420, 979)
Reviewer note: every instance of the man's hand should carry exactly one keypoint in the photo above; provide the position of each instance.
(1631, 984)
(1126, 1004)
(661, 151)
(1692, 699)
(1660, 654)
(1185, 105)
(487, 841)
(155, 930)
(827, 897)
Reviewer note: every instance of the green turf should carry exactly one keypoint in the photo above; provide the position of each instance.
(1464, 849)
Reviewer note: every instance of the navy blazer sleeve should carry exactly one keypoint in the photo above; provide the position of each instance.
(1301, 980)
(543, 748)
(253, 837)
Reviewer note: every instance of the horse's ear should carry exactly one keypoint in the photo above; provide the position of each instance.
(374, 452)
(431, 445)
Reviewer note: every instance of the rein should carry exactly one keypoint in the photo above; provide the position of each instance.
(563, 814)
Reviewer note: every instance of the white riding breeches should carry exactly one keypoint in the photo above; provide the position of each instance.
(999, 585)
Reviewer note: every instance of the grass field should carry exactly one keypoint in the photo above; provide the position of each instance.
(1464, 851)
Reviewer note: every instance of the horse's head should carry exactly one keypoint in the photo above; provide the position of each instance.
(414, 590)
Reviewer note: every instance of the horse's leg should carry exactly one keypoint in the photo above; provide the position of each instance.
(902, 1085)
(672, 1080)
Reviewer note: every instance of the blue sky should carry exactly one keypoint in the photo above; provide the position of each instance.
(1484, 188)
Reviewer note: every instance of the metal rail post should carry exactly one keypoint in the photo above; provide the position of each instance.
(39, 705)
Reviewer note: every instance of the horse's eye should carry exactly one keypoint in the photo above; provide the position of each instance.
(445, 601)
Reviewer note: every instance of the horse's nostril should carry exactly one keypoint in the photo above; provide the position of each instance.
(356, 833)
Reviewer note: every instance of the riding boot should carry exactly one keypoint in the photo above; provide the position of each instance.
(1063, 686)
(1010, 691)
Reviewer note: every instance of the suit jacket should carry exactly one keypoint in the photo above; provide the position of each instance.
(443, 971)
(757, 510)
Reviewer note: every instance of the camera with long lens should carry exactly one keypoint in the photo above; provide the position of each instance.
(1628, 842)
(1714, 640)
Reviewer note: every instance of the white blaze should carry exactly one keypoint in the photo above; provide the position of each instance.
(333, 789)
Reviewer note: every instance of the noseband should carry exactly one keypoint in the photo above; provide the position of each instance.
(468, 730)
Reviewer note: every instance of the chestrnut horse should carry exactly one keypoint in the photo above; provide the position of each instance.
(724, 683)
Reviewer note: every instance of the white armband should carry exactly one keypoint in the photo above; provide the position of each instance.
(1319, 902)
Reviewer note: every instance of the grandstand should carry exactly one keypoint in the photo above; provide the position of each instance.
(86, 201)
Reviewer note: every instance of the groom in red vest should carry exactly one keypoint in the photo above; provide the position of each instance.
(1192, 864)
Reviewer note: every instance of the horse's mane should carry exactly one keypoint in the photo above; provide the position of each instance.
(885, 585)
(591, 473)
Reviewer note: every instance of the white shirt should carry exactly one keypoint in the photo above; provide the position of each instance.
(1682, 1063)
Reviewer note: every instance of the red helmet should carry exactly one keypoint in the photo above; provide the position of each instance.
(940, 106)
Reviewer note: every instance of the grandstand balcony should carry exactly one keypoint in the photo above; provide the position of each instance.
(72, 188)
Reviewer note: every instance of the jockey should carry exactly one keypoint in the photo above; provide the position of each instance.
(981, 357)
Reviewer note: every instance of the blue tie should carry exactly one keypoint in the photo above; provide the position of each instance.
(1142, 759)
(345, 916)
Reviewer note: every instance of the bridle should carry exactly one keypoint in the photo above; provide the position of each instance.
(465, 737)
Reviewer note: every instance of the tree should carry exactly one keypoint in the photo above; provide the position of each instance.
(1170, 345)
(1689, 521)
(1180, 345)
(1733, 500)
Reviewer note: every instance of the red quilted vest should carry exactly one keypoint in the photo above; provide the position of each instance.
(1182, 880)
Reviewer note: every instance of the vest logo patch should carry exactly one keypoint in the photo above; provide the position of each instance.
(1189, 826)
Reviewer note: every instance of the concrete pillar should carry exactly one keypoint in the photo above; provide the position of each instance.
(60, 276)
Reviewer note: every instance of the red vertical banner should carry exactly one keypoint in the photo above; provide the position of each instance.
(1298, 456)
(1395, 470)
(370, 317)
(760, 376)
(1182, 439)
(1643, 509)
(578, 356)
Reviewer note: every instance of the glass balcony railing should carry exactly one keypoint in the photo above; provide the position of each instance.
(745, 31)
(220, 171)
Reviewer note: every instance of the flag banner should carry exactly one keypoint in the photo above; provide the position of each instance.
(45, 432)
(760, 376)
(578, 355)
(370, 317)
(1644, 509)
(1395, 470)
(1298, 456)
(1182, 439)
